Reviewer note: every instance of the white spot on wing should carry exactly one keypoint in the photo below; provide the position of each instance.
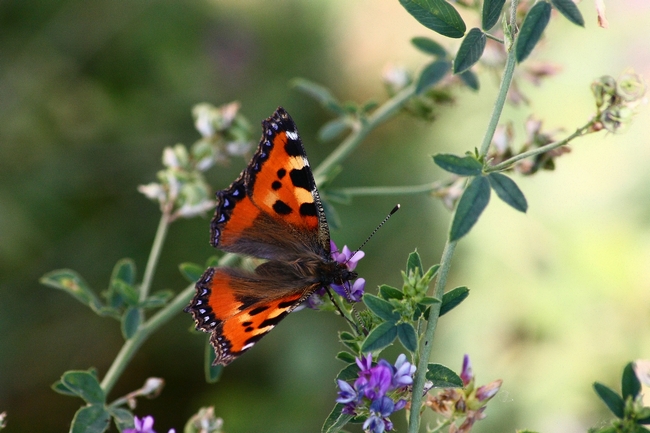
(292, 135)
(248, 346)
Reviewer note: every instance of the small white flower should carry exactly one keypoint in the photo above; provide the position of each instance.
(153, 191)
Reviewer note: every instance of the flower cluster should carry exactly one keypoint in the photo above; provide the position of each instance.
(352, 293)
(379, 391)
(144, 425)
(466, 405)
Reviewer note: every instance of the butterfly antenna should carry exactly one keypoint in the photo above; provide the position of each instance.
(390, 214)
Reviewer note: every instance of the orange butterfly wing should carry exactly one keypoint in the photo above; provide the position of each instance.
(272, 211)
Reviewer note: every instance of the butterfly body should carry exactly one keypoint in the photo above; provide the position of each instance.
(271, 211)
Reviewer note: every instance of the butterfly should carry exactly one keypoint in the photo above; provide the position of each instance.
(272, 211)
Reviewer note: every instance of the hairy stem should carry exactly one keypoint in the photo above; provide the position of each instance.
(450, 246)
(154, 255)
(509, 162)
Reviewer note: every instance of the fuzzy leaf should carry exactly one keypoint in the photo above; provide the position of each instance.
(461, 165)
(191, 271)
(333, 129)
(350, 372)
(508, 191)
(131, 321)
(346, 357)
(91, 419)
(407, 336)
(570, 11)
(71, 282)
(470, 207)
(123, 418)
(630, 384)
(613, 401)
(414, 261)
(60, 388)
(431, 75)
(491, 13)
(336, 419)
(380, 337)
(470, 79)
(470, 51)
(453, 298)
(429, 46)
(532, 29)
(437, 15)
(443, 377)
(381, 308)
(319, 93)
(388, 292)
(85, 385)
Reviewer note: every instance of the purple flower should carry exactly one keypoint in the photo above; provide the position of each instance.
(352, 294)
(404, 372)
(466, 374)
(379, 382)
(347, 394)
(144, 425)
(488, 391)
(346, 256)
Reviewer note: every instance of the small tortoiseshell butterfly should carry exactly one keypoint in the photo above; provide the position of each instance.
(273, 212)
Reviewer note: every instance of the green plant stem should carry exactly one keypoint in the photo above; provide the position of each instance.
(154, 255)
(387, 110)
(163, 316)
(394, 190)
(450, 246)
(509, 162)
(131, 345)
(494, 38)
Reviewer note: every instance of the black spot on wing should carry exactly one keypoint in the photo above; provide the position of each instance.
(273, 320)
(286, 304)
(258, 310)
(248, 329)
(300, 178)
(281, 208)
(293, 147)
(281, 173)
(276, 185)
(308, 209)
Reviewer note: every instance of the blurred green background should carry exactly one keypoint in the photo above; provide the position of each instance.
(91, 93)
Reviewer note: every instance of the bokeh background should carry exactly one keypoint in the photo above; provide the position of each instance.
(91, 93)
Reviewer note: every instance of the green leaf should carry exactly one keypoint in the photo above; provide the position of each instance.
(508, 191)
(122, 418)
(131, 321)
(429, 46)
(437, 15)
(433, 270)
(388, 292)
(443, 377)
(431, 75)
(191, 271)
(60, 388)
(630, 384)
(643, 416)
(124, 270)
(464, 166)
(85, 385)
(470, 207)
(613, 401)
(470, 50)
(346, 357)
(380, 337)
(336, 419)
(491, 13)
(350, 372)
(319, 93)
(212, 372)
(414, 261)
(470, 79)
(428, 300)
(570, 11)
(128, 292)
(532, 29)
(453, 298)
(333, 129)
(157, 300)
(91, 419)
(382, 308)
(407, 336)
(212, 262)
(71, 282)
